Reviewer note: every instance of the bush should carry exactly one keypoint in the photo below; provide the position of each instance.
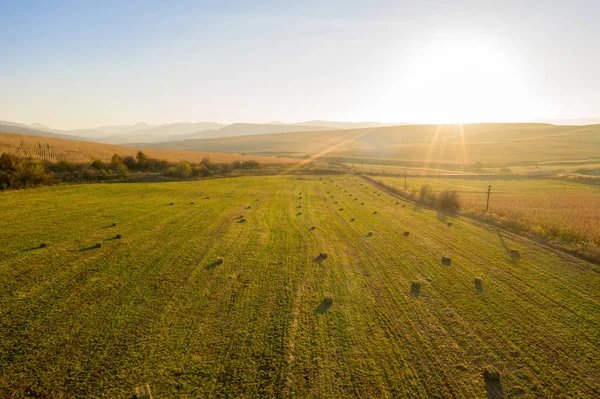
(97, 165)
(448, 201)
(183, 169)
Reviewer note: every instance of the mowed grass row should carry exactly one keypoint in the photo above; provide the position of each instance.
(274, 320)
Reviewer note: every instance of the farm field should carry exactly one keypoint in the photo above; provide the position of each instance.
(275, 319)
(55, 149)
(563, 211)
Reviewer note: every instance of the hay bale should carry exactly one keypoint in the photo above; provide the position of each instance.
(192, 203)
(143, 392)
(446, 261)
(206, 197)
(397, 203)
(370, 234)
(362, 203)
(415, 288)
(299, 206)
(43, 245)
(352, 220)
(98, 245)
(491, 373)
(118, 236)
(312, 227)
(374, 212)
(449, 224)
(171, 203)
(248, 207)
(406, 234)
(219, 260)
(341, 209)
(515, 253)
(299, 213)
(403, 205)
(299, 198)
(323, 255)
(478, 284)
(355, 199)
(114, 224)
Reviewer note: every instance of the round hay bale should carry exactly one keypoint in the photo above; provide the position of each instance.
(248, 207)
(406, 234)
(341, 209)
(312, 227)
(374, 212)
(171, 203)
(98, 245)
(118, 236)
(491, 373)
(43, 245)
(403, 206)
(192, 203)
(370, 234)
(446, 261)
(114, 224)
(219, 260)
(352, 220)
(362, 203)
(449, 224)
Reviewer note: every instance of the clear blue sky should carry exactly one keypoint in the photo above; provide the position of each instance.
(79, 64)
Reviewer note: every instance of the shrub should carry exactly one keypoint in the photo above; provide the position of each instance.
(97, 165)
(448, 201)
(183, 169)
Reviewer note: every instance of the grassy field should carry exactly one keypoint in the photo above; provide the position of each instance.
(565, 212)
(54, 149)
(274, 319)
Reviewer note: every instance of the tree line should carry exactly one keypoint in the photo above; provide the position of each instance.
(19, 172)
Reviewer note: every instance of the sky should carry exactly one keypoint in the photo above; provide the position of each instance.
(75, 64)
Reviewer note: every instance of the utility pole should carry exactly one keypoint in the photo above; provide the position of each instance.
(487, 205)
(405, 179)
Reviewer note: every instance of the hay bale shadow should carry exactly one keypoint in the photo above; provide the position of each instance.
(493, 387)
(90, 248)
(325, 305)
(478, 284)
(415, 289)
(320, 258)
(214, 264)
(42, 245)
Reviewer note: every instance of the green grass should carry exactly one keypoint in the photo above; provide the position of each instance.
(152, 307)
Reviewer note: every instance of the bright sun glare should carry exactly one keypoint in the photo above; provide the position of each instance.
(456, 80)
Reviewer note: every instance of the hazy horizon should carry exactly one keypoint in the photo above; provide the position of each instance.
(72, 64)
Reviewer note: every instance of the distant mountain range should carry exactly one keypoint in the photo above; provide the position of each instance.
(145, 133)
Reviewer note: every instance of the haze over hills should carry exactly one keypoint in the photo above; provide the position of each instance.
(440, 144)
(145, 133)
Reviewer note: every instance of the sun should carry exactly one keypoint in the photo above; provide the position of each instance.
(458, 80)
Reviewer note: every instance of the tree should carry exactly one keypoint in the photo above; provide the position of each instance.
(116, 159)
(141, 158)
(97, 164)
(122, 170)
(183, 169)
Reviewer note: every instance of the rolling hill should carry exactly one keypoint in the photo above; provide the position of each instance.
(54, 149)
(495, 144)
